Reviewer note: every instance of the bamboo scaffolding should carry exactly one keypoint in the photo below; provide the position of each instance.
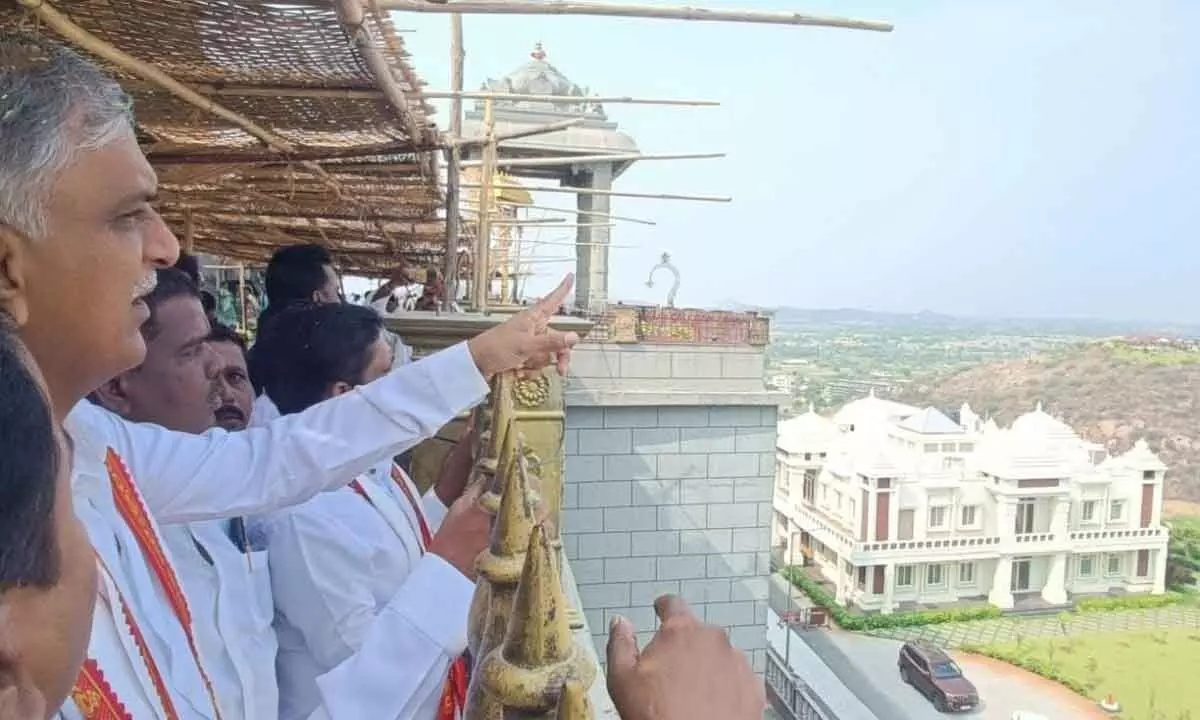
(360, 93)
(298, 156)
(590, 159)
(352, 15)
(453, 160)
(64, 26)
(615, 193)
(528, 132)
(560, 7)
(484, 233)
(586, 213)
(61, 24)
(562, 100)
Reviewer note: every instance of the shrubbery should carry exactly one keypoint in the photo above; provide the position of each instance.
(850, 621)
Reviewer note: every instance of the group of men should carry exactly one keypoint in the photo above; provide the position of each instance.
(143, 486)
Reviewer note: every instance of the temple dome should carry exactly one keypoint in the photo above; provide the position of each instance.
(1042, 425)
(539, 77)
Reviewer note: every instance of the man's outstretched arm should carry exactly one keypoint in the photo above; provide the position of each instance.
(185, 478)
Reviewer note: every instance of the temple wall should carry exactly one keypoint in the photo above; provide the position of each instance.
(669, 468)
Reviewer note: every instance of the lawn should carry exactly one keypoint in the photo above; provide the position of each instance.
(1152, 673)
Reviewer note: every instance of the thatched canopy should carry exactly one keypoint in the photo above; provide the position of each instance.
(269, 122)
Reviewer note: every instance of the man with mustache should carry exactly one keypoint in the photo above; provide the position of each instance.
(235, 395)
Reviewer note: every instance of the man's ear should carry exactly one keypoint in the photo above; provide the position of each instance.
(12, 276)
(114, 395)
(340, 388)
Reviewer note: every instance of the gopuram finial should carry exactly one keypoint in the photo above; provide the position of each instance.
(539, 53)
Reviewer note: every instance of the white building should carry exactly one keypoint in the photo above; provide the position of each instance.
(903, 508)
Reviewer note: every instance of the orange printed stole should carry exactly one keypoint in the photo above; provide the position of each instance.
(133, 514)
(454, 693)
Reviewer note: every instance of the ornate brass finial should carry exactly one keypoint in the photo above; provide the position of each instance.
(506, 464)
(501, 413)
(500, 565)
(574, 705)
(539, 654)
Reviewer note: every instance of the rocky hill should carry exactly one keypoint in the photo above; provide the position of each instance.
(1111, 392)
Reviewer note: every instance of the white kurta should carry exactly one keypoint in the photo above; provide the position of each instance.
(185, 478)
(344, 570)
(229, 592)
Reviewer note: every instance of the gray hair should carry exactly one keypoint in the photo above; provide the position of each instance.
(53, 105)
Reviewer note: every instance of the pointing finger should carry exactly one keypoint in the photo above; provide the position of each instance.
(550, 304)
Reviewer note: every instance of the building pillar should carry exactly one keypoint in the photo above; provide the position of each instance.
(1160, 571)
(1055, 589)
(1060, 520)
(1008, 521)
(591, 243)
(840, 593)
(1001, 593)
(889, 589)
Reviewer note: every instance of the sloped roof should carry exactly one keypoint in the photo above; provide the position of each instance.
(872, 408)
(931, 421)
(293, 137)
(809, 431)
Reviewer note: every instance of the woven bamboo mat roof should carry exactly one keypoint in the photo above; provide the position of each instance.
(291, 135)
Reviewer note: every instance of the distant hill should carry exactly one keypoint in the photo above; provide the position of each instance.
(1111, 392)
(797, 319)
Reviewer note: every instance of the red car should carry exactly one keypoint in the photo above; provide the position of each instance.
(931, 671)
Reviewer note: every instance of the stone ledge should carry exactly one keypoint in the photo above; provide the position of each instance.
(638, 398)
(602, 705)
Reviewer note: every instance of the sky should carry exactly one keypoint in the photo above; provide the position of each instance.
(1014, 158)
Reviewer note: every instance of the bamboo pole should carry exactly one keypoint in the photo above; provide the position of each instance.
(560, 99)
(614, 193)
(591, 159)
(351, 14)
(588, 213)
(189, 231)
(359, 93)
(483, 238)
(304, 156)
(528, 132)
(453, 169)
(561, 7)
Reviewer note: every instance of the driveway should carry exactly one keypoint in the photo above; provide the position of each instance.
(867, 665)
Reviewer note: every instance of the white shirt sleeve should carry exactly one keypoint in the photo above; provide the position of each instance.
(185, 477)
(435, 509)
(390, 677)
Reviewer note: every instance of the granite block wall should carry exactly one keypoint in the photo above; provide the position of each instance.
(671, 499)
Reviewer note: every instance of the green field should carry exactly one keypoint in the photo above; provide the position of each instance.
(1152, 673)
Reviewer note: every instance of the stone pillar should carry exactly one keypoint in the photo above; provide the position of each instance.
(1160, 571)
(840, 594)
(889, 589)
(1055, 589)
(1001, 593)
(591, 250)
(1060, 521)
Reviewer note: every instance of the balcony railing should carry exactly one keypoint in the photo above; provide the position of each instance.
(1150, 533)
(957, 543)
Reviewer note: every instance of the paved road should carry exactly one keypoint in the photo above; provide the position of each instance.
(1004, 690)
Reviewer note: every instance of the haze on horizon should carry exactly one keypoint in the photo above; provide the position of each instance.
(990, 159)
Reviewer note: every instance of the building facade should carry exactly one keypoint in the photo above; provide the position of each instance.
(902, 508)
